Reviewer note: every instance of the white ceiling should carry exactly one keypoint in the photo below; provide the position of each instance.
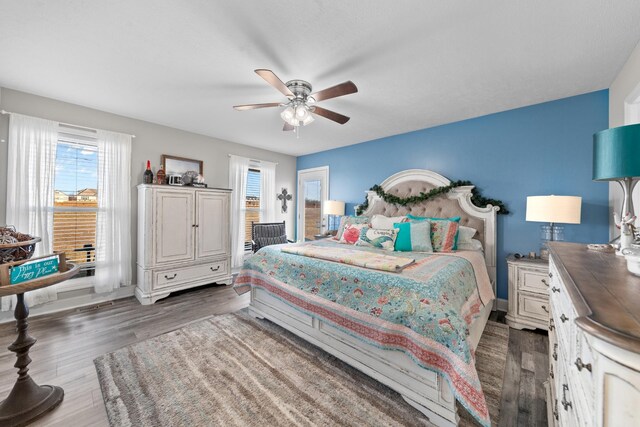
(416, 63)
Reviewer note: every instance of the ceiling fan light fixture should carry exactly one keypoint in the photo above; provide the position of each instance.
(301, 112)
(287, 114)
(307, 120)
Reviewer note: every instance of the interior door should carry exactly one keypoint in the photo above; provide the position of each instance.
(212, 224)
(175, 224)
(313, 190)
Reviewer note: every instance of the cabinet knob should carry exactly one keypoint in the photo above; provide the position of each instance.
(214, 269)
(552, 325)
(551, 372)
(581, 365)
(172, 277)
(554, 289)
(565, 403)
(563, 318)
(555, 352)
(544, 307)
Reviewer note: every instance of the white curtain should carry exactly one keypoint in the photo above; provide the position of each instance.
(30, 175)
(113, 227)
(238, 171)
(267, 191)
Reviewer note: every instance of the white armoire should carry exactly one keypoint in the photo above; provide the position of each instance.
(184, 239)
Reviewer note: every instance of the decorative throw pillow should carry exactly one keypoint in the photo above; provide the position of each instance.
(346, 220)
(377, 238)
(414, 236)
(465, 234)
(386, 222)
(351, 233)
(443, 235)
(422, 218)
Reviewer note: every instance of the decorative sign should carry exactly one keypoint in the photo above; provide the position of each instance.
(33, 270)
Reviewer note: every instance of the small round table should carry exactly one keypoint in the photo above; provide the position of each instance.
(27, 400)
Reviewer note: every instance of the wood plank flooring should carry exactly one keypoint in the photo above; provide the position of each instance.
(69, 341)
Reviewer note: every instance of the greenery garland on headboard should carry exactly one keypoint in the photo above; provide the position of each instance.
(476, 197)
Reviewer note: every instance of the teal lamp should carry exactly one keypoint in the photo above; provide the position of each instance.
(616, 157)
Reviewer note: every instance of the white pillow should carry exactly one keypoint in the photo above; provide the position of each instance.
(465, 234)
(386, 222)
(473, 245)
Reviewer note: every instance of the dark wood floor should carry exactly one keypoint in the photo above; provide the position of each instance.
(69, 341)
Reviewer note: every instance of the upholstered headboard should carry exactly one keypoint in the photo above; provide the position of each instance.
(455, 203)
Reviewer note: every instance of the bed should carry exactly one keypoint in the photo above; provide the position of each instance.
(282, 291)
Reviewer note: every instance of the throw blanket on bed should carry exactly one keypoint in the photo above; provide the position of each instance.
(424, 311)
(374, 261)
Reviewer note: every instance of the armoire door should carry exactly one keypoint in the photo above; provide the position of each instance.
(212, 219)
(174, 214)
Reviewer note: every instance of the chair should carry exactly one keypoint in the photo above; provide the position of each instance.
(267, 233)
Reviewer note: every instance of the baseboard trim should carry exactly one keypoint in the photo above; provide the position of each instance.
(503, 304)
(71, 303)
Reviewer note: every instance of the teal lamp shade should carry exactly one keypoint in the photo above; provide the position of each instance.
(616, 153)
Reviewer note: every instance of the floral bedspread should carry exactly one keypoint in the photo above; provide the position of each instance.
(346, 255)
(424, 311)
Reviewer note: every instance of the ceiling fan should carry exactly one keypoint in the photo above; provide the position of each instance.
(301, 103)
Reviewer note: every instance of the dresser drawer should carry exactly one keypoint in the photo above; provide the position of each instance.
(533, 280)
(176, 276)
(533, 306)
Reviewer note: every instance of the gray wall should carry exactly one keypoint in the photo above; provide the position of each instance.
(152, 140)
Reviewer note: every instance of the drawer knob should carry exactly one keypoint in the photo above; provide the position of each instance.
(555, 352)
(581, 365)
(545, 282)
(546, 310)
(552, 325)
(214, 269)
(554, 289)
(563, 318)
(565, 403)
(172, 277)
(551, 372)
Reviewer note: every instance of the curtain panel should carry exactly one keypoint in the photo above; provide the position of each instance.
(267, 191)
(30, 179)
(113, 226)
(238, 171)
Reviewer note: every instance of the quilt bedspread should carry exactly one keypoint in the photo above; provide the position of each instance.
(425, 311)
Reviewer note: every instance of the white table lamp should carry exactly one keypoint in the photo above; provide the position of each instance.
(554, 210)
(333, 209)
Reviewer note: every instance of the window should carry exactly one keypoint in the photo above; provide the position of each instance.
(76, 199)
(252, 204)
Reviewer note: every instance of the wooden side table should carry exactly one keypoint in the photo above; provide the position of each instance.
(528, 293)
(28, 400)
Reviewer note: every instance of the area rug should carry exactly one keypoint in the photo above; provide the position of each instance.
(235, 370)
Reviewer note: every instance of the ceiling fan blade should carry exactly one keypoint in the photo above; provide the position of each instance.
(287, 127)
(274, 81)
(345, 88)
(255, 106)
(331, 115)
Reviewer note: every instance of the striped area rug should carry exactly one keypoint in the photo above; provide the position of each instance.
(234, 370)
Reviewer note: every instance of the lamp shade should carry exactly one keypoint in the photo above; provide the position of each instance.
(333, 207)
(557, 209)
(616, 153)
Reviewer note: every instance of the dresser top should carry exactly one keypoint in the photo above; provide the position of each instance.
(605, 295)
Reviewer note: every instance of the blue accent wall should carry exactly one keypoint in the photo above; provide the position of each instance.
(536, 150)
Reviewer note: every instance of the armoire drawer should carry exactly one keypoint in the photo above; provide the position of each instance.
(171, 277)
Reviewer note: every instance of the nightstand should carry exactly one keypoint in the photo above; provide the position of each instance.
(528, 293)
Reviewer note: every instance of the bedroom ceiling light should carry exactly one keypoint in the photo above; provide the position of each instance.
(300, 106)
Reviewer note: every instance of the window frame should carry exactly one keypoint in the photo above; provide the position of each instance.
(254, 167)
(68, 135)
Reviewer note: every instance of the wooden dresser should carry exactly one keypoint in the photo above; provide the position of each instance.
(594, 339)
(183, 239)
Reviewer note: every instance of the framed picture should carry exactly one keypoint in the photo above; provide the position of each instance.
(180, 165)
